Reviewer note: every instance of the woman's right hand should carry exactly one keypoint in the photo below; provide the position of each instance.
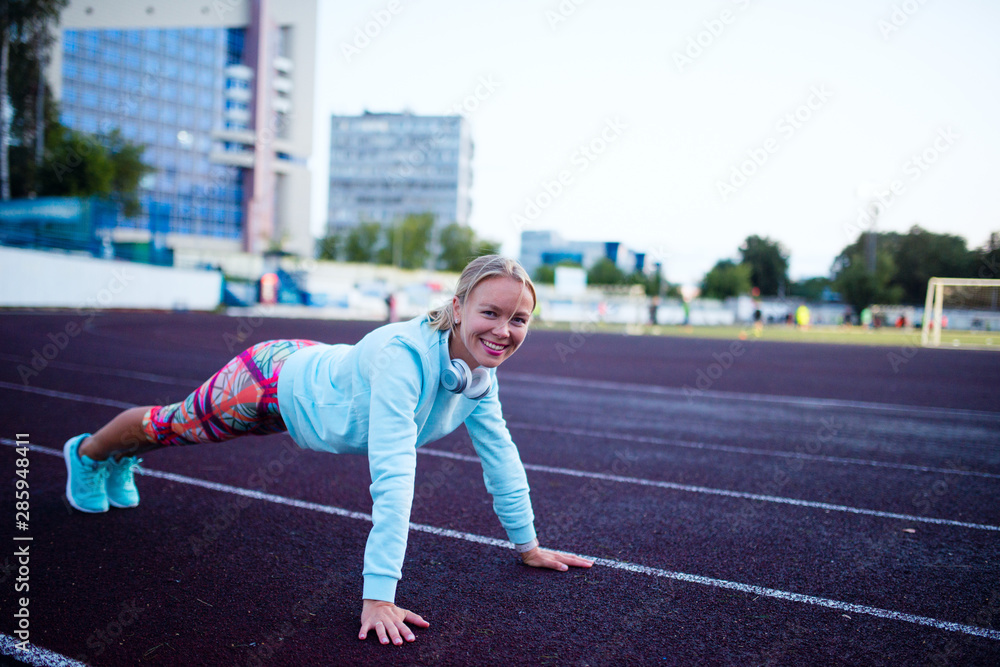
(389, 622)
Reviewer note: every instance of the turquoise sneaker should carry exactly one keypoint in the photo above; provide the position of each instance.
(121, 481)
(85, 479)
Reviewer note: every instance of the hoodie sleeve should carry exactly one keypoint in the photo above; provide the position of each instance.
(396, 384)
(503, 471)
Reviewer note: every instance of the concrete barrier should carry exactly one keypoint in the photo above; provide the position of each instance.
(30, 278)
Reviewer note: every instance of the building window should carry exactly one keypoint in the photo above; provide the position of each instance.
(235, 45)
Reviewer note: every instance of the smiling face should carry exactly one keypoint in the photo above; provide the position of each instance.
(492, 322)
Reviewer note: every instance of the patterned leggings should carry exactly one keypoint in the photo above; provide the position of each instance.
(242, 398)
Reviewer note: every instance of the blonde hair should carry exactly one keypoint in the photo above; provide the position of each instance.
(475, 272)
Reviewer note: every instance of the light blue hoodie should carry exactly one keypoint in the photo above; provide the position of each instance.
(384, 397)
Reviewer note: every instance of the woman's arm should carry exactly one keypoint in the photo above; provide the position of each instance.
(507, 482)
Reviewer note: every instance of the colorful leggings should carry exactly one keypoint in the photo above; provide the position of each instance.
(240, 399)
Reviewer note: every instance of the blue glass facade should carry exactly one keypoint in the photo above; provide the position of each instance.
(164, 88)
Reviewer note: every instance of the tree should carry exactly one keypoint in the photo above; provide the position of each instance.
(362, 242)
(605, 272)
(726, 279)
(810, 289)
(331, 246)
(858, 286)
(78, 164)
(24, 44)
(988, 258)
(915, 257)
(459, 245)
(920, 255)
(128, 170)
(407, 242)
(768, 262)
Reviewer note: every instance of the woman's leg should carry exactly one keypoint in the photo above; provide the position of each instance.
(240, 399)
(122, 436)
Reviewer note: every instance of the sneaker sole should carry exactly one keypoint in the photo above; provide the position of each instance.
(69, 480)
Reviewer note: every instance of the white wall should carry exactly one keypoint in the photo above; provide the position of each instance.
(52, 280)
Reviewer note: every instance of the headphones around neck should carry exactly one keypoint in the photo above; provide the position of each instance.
(458, 378)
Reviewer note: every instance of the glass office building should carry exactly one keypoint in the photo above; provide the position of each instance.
(220, 95)
(166, 89)
(386, 166)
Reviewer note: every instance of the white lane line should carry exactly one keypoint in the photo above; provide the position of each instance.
(611, 478)
(798, 401)
(724, 492)
(114, 372)
(589, 434)
(733, 449)
(35, 655)
(67, 395)
(603, 385)
(615, 564)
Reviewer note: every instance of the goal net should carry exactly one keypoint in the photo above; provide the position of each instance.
(962, 312)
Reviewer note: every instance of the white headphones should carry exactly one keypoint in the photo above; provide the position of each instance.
(458, 378)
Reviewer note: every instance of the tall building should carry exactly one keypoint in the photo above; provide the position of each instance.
(220, 93)
(384, 166)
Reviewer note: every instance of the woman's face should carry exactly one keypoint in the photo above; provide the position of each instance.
(492, 322)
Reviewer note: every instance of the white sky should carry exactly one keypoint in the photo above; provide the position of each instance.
(884, 97)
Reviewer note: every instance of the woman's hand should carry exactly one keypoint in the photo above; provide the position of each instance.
(389, 622)
(553, 559)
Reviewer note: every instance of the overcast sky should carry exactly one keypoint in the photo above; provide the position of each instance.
(680, 128)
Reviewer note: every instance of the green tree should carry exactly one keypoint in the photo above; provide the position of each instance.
(78, 164)
(810, 289)
(988, 258)
(915, 257)
(726, 279)
(128, 170)
(407, 242)
(921, 255)
(361, 243)
(459, 245)
(25, 40)
(858, 286)
(768, 262)
(605, 272)
(331, 246)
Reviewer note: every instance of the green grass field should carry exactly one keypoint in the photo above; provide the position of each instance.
(837, 335)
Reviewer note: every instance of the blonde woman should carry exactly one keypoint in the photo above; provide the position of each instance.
(400, 387)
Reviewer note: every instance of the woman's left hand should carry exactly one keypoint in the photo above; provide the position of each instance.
(554, 560)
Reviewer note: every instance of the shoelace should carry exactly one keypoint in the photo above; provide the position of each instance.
(130, 465)
(97, 476)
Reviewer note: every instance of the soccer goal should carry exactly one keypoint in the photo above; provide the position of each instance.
(962, 312)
